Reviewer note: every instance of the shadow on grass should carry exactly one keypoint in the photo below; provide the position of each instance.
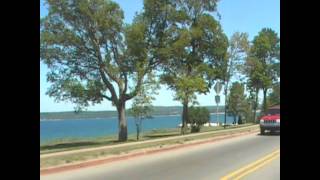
(68, 145)
(161, 135)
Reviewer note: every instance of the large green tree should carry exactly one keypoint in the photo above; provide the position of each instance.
(253, 69)
(262, 66)
(237, 100)
(141, 109)
(191, 44)
(266, 49)
(237, 52)
(92, 56)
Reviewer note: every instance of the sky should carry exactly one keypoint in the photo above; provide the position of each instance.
(236, 15)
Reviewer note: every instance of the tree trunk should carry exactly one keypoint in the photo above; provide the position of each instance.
(184, 116)
(234, 119)
(265, 105)
(225, 103)
(138, 132)
(255, 106)
(123, 133)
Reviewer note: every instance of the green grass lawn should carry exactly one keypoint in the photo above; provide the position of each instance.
(73, 144)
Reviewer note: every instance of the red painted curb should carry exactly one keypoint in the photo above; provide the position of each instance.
(118, 158)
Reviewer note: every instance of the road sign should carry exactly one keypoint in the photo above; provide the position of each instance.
(217, 98)
(218, 87)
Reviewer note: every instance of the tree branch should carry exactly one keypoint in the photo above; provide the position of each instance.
(136, 89)
(95, 42)
(115, 79)
(107, 97)
(125, 83)
(103, 76)
(114, 97)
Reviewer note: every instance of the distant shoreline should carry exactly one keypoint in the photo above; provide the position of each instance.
(158, 111)
(112, 117)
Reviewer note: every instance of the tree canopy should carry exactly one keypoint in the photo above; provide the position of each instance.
(141, 108)
(274, 96)
(92, 55)
(191, 44)
(265, 53)
(237, 100)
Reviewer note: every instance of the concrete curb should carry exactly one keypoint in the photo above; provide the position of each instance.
(89, 163)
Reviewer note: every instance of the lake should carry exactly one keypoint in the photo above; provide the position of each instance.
(90, 128)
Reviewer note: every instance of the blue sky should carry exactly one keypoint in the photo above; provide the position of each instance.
(236, 15)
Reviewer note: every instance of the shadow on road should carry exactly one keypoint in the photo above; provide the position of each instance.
(270, 134)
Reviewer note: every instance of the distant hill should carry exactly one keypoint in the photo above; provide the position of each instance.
(158, 110)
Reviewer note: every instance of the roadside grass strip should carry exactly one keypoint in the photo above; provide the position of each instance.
(52, 161)
(63, 145)
(240, 173)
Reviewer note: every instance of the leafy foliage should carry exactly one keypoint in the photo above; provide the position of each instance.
(197, 117)
(141, 107)
(237, 52)
(92, 55)
(274, 96)
(237, 100)
(265, 55)
(190, 43)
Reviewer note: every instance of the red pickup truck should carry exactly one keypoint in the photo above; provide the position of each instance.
(270, 122)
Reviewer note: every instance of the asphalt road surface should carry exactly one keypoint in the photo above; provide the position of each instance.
(202, 162)
(270, 171)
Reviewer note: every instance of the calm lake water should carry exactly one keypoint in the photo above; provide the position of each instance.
(89, 128)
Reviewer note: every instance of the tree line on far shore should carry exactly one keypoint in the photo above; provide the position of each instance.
(92, 55)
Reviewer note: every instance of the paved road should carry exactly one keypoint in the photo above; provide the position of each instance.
(270, 171)
(203, 162)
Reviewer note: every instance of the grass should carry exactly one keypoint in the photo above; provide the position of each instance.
(82, 156)
(66, 145)
(74, 144)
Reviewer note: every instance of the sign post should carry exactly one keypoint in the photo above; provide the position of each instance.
(217, 89)
(217, 98)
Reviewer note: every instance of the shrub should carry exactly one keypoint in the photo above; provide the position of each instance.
(197, 116)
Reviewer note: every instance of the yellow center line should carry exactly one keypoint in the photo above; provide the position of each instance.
(252, 166)
(257, 167)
